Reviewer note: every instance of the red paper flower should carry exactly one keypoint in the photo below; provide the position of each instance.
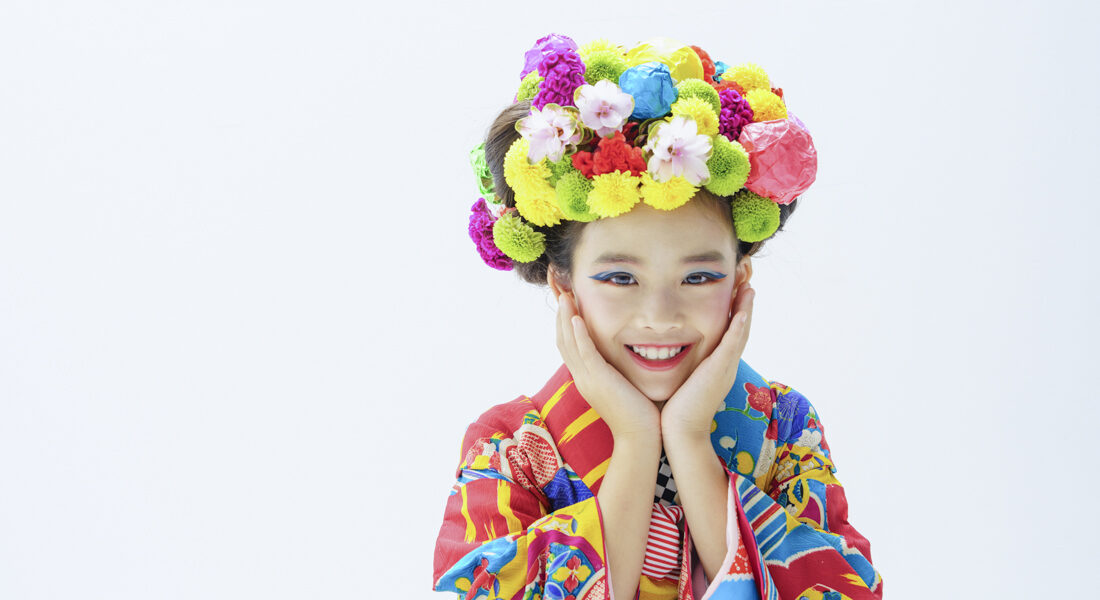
(708, 64)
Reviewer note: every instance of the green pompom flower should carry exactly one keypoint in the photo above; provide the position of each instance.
(697, 88)
(729, 166)
(557, 169)
(518, 240)
(529, 87)
(481, 171)
(755, 218)
(604, 64)
(572, 189)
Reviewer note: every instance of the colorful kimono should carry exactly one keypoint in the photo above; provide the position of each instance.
(523, 521)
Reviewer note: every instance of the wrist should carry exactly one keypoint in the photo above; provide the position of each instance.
(687, 437)
(640, 438)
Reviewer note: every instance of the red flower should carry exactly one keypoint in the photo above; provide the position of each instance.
(761, 398)
(483, 580)
(708, 64)
(778, 92)
(572, 582)
(582, 161)
(726, 84)
(612, 154)
(630, 130)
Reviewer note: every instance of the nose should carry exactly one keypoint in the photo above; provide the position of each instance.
(661, 311)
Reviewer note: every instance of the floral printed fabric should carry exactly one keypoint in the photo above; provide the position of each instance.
(523, 522)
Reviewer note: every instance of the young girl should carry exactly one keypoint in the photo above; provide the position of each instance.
(636, 183)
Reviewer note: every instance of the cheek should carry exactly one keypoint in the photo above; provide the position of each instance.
(712, 313)
(601, 313)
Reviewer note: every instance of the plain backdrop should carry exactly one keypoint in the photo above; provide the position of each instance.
(243, 329)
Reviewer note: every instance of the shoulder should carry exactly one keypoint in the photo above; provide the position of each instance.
(795, 418)
(796, 427)
(502, 421)
(766, 429)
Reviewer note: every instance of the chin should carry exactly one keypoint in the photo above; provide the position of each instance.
(658, 391)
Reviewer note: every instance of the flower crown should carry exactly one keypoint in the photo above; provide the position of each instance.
(611, 127)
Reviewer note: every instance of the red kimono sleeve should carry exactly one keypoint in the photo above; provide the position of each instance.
(518, 520)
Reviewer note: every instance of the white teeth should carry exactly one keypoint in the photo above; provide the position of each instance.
(654, 353)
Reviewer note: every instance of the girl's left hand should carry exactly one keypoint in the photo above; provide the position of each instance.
(690, 411)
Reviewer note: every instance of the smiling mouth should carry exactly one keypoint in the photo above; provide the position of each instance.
(657, 352)
(658, 357)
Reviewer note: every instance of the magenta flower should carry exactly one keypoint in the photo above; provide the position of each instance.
(736, 113)
(481, 232)
(563, 73)
(604, 107)
(677, 149)
(545, 45)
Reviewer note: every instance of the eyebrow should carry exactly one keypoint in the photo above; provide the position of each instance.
(615, 257)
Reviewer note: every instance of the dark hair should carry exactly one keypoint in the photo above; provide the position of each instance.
(562, 239)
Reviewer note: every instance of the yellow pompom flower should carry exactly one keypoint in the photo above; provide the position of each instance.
(536, 200)
(598, 46)
(698, 110)
(766, 106)
(666, 195)
(750, 76)
(613, 193)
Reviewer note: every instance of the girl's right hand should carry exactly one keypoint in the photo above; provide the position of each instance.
(626, 410)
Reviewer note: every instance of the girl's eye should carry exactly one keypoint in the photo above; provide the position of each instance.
(703, 277)
(615, 277)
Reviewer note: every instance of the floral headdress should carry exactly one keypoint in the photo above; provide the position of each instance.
(611, 127)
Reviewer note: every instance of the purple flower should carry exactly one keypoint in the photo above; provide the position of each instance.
(481, 232)
(563, 73)
(545, 45)
(736, 113)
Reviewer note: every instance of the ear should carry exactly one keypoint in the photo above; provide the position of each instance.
(558, 283)
(744, 272)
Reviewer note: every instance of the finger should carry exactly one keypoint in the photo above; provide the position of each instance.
(736, 335)
(559, 322)
(588, 352)
(570, 352)
(563, 331)
(743, 315)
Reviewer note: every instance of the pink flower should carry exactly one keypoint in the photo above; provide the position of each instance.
(551, 131)
(604, 107)
(678, 149)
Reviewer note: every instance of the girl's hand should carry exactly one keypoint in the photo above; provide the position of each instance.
(689, 412)
(626, 410)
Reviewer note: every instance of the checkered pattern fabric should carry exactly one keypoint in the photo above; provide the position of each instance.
(665, 493)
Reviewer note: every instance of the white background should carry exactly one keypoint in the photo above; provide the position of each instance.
(243, 329)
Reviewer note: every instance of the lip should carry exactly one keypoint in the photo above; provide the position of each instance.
(660, 365)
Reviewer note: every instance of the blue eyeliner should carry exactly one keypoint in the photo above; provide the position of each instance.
(711, 274)
(605, 275)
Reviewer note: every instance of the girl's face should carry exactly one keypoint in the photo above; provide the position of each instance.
(655, 289)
